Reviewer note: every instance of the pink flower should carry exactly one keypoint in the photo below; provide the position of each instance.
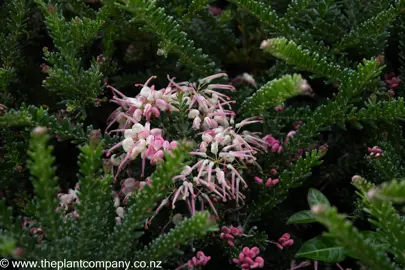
(229, 234)
(391, 80)
(285, 241)
(375, 152)
(289, 135)
(258, 180)
(199, 260)
(271, 182)
(249, 259)
(215, 11)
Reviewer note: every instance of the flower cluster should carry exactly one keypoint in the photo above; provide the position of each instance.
(229, 233)
(199, 260)
(275, 145)
(34, 229)
(285, 241)
(375, 152)
(140, 139)
(68, 202)
(248, 258)
(391, 80)
(223, 150)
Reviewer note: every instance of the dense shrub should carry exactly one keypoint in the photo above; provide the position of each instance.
(191, 131)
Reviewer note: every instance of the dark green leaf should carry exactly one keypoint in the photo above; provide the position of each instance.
(305, 216)
(322, 249)
(316, 197)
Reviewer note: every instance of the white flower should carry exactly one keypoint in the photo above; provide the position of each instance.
(66, 198)
(129, 133)
(186, 171)
(141, 145)
(116, 201)
(135, 102)
(214, 148)
(227, 140)
(193, 113)
(207, 138)
(120, 212)
(137, 128)
(127, 144)
(116, 161)
(145, 91)
(158, 94)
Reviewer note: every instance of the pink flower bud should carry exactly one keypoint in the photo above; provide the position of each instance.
(258, 180)
(249, 260)
(18, 252)
(236, 231)
(173, 145)
(228, 236)
(259, 261)
(166, 145)
(256, 250)
(288, 243)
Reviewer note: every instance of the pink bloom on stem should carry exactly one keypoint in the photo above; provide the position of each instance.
(274, 144)
(229, 233)
(199, 260)
(391, 80)
(289, 135)
(375, 152)
(258, 180)
(249, 259)
(271, 182)
(285, 241)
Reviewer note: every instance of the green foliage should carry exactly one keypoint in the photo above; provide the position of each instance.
(341, 48)
(322, 249)
(291, 178)
(76, 86)
(282, 26)
(304, 59)
(273, 93)
(75, 239)
(304, 216)
(10, 55)
(63, 128)
(316, 197)
(366, 246)
(393, 191)
(195, 227)
(372, 29)
(352, 239)
(171, 35)
(194, 8)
